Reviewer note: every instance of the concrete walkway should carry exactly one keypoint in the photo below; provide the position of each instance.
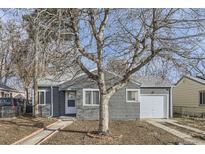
(45, 134)
(187, 138)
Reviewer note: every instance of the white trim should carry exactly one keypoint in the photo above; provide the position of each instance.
(90, 89)
(42, 90)
(167, 95)
(154, 94)
(138, 97)
(66, 100)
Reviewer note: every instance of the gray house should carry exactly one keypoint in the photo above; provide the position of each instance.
(146, 98)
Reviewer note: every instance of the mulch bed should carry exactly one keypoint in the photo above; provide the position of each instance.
(126, 132)
(14, 129)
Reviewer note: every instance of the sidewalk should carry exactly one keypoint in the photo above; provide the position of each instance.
(45, 134)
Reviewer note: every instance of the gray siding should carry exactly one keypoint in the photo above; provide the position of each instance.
(55, 101)
(154, 90)
(58, 101)
(45, 110)
(61, 103)
(118, 107)
(48, 94)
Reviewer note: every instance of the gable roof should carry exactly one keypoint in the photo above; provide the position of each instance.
(83, 79)
(52, 80)
(196, 79)
(151, 81)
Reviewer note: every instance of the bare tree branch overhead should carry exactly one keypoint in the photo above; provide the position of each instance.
(127, 41)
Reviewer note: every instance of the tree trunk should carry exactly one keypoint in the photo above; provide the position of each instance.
(35, 109)
(104, 115)
(27, 99)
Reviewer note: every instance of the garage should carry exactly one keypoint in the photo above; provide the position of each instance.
(153, 106)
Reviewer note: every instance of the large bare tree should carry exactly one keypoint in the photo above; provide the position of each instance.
(135, 36)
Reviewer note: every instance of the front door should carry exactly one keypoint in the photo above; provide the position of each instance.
(70, 102)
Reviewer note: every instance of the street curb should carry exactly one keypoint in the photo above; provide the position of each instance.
(34, 133)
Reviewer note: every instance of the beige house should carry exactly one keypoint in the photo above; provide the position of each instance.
(189, 96)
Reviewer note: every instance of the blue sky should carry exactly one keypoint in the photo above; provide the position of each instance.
(174, 73)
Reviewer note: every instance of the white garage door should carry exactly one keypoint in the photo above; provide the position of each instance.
(153, 106)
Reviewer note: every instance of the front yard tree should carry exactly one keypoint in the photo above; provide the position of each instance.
(134, 36)
(46, 35)
(137, 36)
(38, 43)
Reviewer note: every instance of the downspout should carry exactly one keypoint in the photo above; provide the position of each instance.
(32, 96)
(171, 103)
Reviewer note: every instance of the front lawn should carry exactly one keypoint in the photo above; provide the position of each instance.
(12, 130)
(133, 132)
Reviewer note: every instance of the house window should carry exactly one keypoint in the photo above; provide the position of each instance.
(202, 97)
(2, 94)
(91, 97)
(6, 95)
(132, 95)
(42, 97)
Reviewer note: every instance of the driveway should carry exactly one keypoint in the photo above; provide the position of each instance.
(189, 134)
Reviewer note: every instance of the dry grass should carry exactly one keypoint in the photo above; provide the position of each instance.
(12, 130)
(199, 124)
(133, 132)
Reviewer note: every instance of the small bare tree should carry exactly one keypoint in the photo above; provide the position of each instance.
(23, 56)
(44, 28)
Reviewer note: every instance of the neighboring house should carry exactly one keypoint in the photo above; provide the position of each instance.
(189, 96)
(147, 98)
(6, 91)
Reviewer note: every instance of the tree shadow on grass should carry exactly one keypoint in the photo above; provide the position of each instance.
(74, 131)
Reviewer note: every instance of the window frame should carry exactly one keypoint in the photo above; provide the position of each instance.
(131, 101)
(44, 91)
(84, 99)
(202, 91)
